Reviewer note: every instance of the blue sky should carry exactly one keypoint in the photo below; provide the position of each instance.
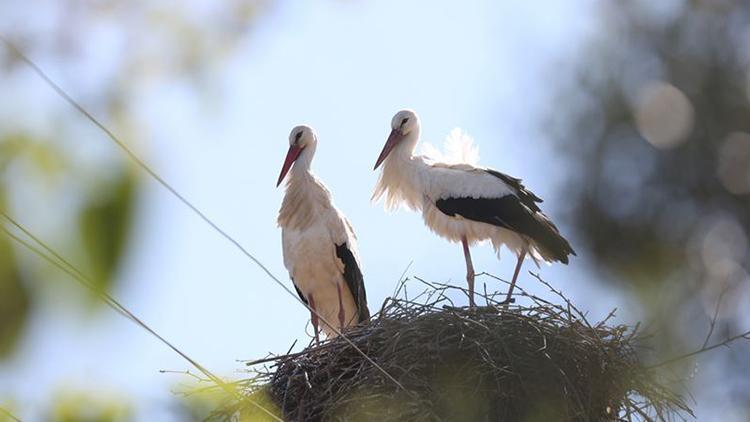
(344, 68)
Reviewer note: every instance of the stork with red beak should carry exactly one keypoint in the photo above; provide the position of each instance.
(319, 245)
(466, 203)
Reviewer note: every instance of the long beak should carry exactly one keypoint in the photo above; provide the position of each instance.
(291, 156)
(393, 139)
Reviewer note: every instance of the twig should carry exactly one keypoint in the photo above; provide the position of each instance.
(716, 315)
(314, 349)
(187, 372)
(726, 342)
(401, 280)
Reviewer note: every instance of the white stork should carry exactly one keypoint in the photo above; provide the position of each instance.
(465, 203)
(319, 245)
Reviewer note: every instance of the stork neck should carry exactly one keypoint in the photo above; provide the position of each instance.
(304, 162)
(405, 149)
(401, 182)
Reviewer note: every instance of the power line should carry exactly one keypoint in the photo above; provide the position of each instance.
(61, 263)
(9, 415)
(185, 201)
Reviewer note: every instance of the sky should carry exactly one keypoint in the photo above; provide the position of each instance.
(344, 68)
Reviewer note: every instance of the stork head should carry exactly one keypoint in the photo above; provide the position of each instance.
(300, 138)
(405, 124)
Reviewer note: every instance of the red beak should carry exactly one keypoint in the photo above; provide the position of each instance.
(393, 139)
(291, 157)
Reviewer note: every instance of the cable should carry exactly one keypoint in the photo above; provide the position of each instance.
(64, 265)
(9, 415)
(187, 203)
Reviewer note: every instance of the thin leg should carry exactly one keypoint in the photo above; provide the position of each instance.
(342, 315)
(515, 276)
(469, 271)
(313, 317)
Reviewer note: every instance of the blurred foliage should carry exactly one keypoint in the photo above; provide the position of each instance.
(152, 40)
(109, 55)
(15, 292)
(254, 413)
(658, 142)
(203, 403)
(15, 301)
(104, 220)
(6, 413)
(655, 132)
(15, 298)
(105, 223)
(196, 402)
(89, 407)
(47, 161)
(61, 176)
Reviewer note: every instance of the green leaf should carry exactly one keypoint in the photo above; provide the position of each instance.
(89, 406)
(105, 224)
(15, 300)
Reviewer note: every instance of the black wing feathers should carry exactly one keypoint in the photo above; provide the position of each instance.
(526, 196)
(355, 281)
(518, 213)
(299, 293)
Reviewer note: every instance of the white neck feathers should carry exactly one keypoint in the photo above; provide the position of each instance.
(401, 181)
(306, 197)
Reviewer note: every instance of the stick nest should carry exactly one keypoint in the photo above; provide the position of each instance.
(538, 362)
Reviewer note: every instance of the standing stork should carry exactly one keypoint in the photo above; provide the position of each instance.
(319, 245)
(464, 203)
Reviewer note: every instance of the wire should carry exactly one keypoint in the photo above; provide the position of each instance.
(64, 265)
(186, 202)
(9, 415)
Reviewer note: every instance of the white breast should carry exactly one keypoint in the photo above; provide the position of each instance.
(310, 250)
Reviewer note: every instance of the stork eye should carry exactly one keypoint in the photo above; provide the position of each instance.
(297, 136)
(403, 122)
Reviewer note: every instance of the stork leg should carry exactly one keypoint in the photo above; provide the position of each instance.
(314, 317)
(342, 315)
(469, 271)
(515, 277)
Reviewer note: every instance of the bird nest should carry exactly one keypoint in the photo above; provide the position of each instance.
(434, 361)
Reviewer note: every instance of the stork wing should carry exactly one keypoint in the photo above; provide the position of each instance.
(511, 212)
(354, 280)
(527, 197)
(299, 293)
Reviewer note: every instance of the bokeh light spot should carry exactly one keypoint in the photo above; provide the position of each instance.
(733, 167)
(724, 242)
(664, 115)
